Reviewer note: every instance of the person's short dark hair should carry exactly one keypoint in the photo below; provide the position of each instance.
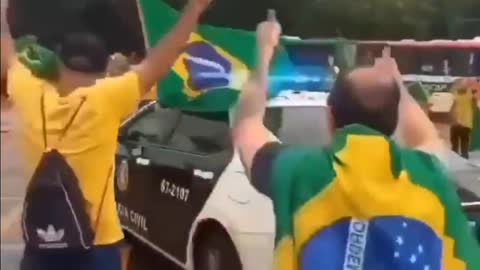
(375, 108)
(83, 52)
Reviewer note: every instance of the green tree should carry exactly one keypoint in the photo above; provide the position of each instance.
(367, 19)
(355, 19)
(462, 18)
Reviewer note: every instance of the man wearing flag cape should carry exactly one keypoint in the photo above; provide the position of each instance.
(364, 202)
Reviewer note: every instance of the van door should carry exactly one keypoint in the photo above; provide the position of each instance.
(177, 177)
(151, 126)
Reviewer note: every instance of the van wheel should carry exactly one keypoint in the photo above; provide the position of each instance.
(137, 256)
(215, 251)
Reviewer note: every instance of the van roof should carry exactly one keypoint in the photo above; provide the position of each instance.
(287, 98)
(440, 44)
(298, 98)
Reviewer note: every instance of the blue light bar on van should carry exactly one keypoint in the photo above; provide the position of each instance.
(296, 78)
(275, 78)
(305, 78)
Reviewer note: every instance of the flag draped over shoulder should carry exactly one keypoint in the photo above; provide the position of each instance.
(338, 209)
(210, 72)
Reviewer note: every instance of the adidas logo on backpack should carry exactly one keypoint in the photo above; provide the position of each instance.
(53, 239)
(50, 235)
(55, 214)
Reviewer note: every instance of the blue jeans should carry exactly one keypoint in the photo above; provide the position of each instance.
(98, 258)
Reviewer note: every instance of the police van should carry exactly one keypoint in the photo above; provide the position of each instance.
(182, 190)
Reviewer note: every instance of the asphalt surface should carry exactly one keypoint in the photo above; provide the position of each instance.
(13, 185)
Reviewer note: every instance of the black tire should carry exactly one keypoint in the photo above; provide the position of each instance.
(142, 257)
(216, 251)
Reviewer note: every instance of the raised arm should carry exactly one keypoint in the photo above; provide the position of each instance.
(8, 51)
(160, 59)
(249, 133)
(415, 127)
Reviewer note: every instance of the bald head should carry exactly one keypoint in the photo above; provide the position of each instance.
(366, 96)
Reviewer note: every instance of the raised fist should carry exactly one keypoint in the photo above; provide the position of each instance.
(268, 34)
(387, 64)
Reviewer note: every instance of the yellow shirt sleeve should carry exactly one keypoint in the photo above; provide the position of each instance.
(121, 94)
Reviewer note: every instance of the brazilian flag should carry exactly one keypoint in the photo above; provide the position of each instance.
(214, 65)
(337, 208)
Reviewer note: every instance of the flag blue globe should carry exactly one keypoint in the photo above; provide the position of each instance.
(383, 243)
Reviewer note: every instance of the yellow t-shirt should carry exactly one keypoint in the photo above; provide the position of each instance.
(463, 110)
(90, 143)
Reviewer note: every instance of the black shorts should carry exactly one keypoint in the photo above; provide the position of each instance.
(98, 258)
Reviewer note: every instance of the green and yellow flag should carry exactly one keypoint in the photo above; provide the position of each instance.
(337, 208)
(213, 67)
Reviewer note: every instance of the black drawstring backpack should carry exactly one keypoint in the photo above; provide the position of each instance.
(55, 210)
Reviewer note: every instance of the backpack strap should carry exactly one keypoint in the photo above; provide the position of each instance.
(44, 119)
(104, 194)
(69, 124)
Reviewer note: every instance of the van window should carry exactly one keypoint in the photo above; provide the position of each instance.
(299, 125)
(465, 62)
(156, 125)
(313, 67)
(200, 135)
(421, 61)
(429, 61)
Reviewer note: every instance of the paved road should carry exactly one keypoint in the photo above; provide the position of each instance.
(13, 185)
(12, 190)
(475, 157)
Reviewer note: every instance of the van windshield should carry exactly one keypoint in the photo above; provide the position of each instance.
(299, 125)
(436, 62)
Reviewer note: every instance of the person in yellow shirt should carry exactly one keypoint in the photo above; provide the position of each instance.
(463, 114)
(94, 105)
